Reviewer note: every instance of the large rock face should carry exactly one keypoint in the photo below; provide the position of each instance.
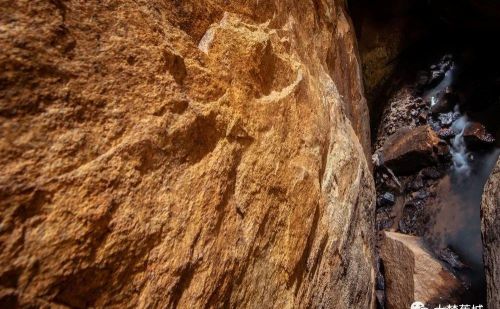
(183, 154)
(490, 228)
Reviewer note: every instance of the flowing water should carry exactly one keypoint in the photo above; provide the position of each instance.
(456, 223)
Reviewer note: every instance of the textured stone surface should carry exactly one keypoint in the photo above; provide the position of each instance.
(476, 136)
(490, 228)
(396, 115)
(183, 153)
(413, 274)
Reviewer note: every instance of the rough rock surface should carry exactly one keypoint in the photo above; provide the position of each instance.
(490, 228)
(476, 135)
(413, 274)
(183, 153)
(409, 150)
(396, 115)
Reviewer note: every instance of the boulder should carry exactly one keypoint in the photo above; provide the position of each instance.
(444, 101)
(446, 133)
(386, 199)
(450, 257)
(435, 78)
(490, 229)
(476, 136)
(446, 119)
(412, 273)
(409, 150)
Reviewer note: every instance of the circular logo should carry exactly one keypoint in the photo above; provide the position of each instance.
(417, 305)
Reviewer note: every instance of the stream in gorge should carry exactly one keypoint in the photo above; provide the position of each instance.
(456, 221)
(437, 196)
(432, 81)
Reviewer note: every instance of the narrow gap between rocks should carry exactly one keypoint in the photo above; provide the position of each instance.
(433, 85)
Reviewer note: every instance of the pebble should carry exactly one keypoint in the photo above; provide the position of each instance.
(446, 119)
(386, 199)
(431, 172)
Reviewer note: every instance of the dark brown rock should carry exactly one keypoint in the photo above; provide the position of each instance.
(386, 199)
(446, 133)
(431, 173)
(476, 135)
(451, 258)
(444, 102)
(409, 150)
(416, 184)
(435, 78)
(422, 116)
(443, 151)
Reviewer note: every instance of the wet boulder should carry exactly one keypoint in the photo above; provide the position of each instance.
(476, 136)
(446, 133)
(412, 273)
(445, 101)
(446, 119)
(451, 258)
(409, 150)
(436, 77)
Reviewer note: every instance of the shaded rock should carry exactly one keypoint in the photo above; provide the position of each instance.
(447, 58)
(380, 283)
(409, 150)
(386, 199)
(490, 229)
(431, 173)
(446, 133)
(420, 194)
(422, 79)
(443, 151)
(435, 78)
(451, 258)
(384, 218)
(444, 102)
(416, 184)
(413, 274)
(380, 299)
(422, 116)
(475, 136)
(396, 115)
(446, 119)
(434, 124)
